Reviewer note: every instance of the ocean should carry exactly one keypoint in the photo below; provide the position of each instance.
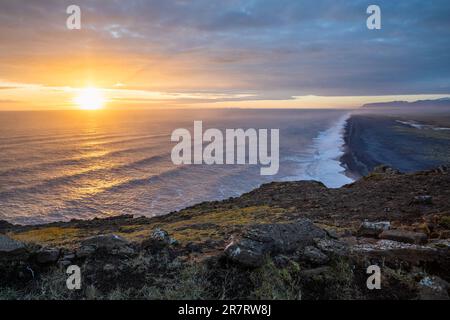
(63, 165)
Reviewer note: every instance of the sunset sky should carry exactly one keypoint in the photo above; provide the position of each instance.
(208, 53)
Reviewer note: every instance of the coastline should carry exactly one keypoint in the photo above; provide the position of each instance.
(372, 140)
(329, 147)
(355, 167)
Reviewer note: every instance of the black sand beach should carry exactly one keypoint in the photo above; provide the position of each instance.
(406, 142)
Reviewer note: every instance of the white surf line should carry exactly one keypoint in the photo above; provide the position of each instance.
(326, 166)
(419, 126)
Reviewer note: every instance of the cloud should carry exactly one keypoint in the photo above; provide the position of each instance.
(272, 48)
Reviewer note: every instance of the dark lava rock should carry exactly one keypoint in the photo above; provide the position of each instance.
(64, 263)
(384, 169)
(332, 247)
(105, 241)
(12, 249)
(159, 239)
(442, 169)
(193, 247)
(5, 225)
(314, 255)
(258, 241)
(109, 243)
(373, 229)
(47, 255)
(68, 256)
(85, 251)
(163, 236)
(404, 236)
(399, 254)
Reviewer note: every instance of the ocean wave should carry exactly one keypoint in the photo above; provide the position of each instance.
(98, 140)
(78, 161)
(325, 165)
(133, 183)
(46, 185)
(51, 139)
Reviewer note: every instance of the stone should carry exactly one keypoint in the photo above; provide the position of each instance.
(433, 288)
(373, 229)
(64, 263)
(425, 200)
(193, 247)
(69, 256)
(109, 243)
(47, 255)
(5, 225)
(385, 169)
(85, 251)
(404, 236)
(332, 247)
(403, 254)
(389, 245)
(314, 255)
(159, 239)
(105, 241)
(124, 251)
(246, 252)
(12, 249)
(442, 169)
(332, 234)
(8, 245)
(163, 236)
(251, 248)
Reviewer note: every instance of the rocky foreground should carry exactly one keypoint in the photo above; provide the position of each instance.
(291, 240)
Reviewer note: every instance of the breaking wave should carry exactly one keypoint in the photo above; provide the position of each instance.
(328, 147)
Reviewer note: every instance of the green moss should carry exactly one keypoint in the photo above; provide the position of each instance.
(52, 236)
(195, 224)
(211, 225)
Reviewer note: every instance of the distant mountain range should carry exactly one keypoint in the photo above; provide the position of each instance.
(443, 102)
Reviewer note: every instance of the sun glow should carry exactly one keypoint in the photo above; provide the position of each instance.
(90, 99)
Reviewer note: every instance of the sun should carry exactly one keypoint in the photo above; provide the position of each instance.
(90, 99)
